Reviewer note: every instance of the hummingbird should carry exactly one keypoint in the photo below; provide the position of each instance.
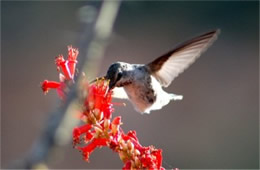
(143, 84)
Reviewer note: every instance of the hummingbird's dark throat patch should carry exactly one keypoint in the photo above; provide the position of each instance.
(125, 83)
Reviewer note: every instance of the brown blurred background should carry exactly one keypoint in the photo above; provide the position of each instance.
(215, 126)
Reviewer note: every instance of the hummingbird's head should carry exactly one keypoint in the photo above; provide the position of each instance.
(114, 74)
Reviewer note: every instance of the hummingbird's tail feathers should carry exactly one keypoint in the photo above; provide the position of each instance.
(164, 100)
(176, 97)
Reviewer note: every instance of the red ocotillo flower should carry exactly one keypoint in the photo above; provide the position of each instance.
(68, 69)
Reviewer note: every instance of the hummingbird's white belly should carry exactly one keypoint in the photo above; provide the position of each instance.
(162, 97)
(145, 98)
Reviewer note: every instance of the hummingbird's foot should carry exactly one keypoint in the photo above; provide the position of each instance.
(176, 97)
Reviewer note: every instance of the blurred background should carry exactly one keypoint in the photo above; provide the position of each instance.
(216, 126)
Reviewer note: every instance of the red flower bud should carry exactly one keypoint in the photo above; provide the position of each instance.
(127, 165)
(46, 85)
(117, 120)
(158, 155)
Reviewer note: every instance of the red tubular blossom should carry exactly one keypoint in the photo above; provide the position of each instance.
(132, 134)
(117, 120)
(72, 53)
(72, 66)
(72, 58)
(147, 161)
(158, 156)
(68, 69)
(127, 165)
(46, 85)
(59, 60)
(63, 65)
(79, 131)
(86, 151)
(68, 66)
(88, 136)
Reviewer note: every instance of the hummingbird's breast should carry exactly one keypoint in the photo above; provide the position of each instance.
(140, 90)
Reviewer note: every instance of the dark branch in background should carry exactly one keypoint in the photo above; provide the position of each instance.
(98, 27)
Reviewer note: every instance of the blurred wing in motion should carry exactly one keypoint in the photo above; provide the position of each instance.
(171, 64)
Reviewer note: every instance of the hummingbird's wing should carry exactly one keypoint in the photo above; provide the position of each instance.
(171, 64)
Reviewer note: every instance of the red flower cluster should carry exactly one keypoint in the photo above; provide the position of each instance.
(100, 129)
(68, 69)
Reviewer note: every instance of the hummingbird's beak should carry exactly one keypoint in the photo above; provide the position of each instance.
(95, 80)
(111, 83)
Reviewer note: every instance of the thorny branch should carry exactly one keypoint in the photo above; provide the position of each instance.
(92, 45)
